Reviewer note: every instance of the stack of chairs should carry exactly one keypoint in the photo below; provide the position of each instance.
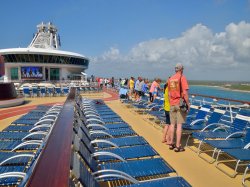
(22, 142)
(112, 152)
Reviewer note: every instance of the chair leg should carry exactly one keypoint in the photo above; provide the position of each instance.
(244, 175)
(210, 161)
(226, 172)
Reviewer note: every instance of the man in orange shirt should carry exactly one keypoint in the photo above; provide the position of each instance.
(178, 88)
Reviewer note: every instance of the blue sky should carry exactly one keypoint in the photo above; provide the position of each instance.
(142, 37)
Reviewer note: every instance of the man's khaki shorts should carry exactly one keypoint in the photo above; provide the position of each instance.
(176, 115)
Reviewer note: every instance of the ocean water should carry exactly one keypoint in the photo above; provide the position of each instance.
(220, 92)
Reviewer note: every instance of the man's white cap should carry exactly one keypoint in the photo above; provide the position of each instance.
(178, 67)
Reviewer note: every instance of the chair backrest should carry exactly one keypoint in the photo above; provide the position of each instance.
(226, 118)
(26, 90)
(241, 120)
(82, 173)
(158, 101)
(86, 156)
(203, 111)
(82, 131)
(216, 116)
(58, 90)
(247, 136)
(43, 90)
(65, 90)
(86, 140)
(50, 89)
(193, 109)
(34, 90)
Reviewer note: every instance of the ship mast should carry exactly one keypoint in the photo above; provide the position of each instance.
(46, 37)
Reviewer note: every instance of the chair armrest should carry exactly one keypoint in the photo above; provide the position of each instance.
(197, 121)
(231, 135)
(104, 141)
(12, 174)
(97, 125)
(94, 119)
(92, 115)
(247, 147)
(17, 156)
(99, 132)
(105, 153)
(221, 128)
(114, 173)
(214, 124)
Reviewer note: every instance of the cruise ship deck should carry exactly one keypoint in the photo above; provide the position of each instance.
(187, 164)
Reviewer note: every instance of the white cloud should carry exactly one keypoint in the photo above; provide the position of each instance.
(204, 54)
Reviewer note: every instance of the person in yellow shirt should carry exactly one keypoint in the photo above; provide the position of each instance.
(131, 85)
(165, 137)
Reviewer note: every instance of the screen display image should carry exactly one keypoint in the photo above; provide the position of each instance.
(31, 72)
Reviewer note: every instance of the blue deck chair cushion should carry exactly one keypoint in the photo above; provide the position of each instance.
(167, 181)
(9, 145)
(115, 133)
(226, 144)
(139, 151)
(240, 154)
(140, 168)
(124, 141)
(112, 126)
(23, 128)
(12, 180)
(18, 136)
(25, 122)
(16, 161)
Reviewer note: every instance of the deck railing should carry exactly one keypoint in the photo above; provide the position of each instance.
(53, 166)
(220, 98)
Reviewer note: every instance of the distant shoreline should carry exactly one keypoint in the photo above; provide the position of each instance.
(230, 89)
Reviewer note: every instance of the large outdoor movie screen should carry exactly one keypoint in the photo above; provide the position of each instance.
(31, 72)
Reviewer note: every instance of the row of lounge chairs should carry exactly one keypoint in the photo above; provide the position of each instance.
(217, 135)
(106, 149)
(22, 142)
(45, 91)
(54, 91)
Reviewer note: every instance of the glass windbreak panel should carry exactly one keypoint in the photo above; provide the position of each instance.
(32, 58)
(26, 57)
(14, 58)
(7, 58)
(14, 73)
(46, 58)
(54, 74)
(36, 58)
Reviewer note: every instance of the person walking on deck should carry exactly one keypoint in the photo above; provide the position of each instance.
(155, 87)
(178, 89)
(166, 138)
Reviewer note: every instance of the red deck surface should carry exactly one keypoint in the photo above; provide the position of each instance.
(14, 111)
